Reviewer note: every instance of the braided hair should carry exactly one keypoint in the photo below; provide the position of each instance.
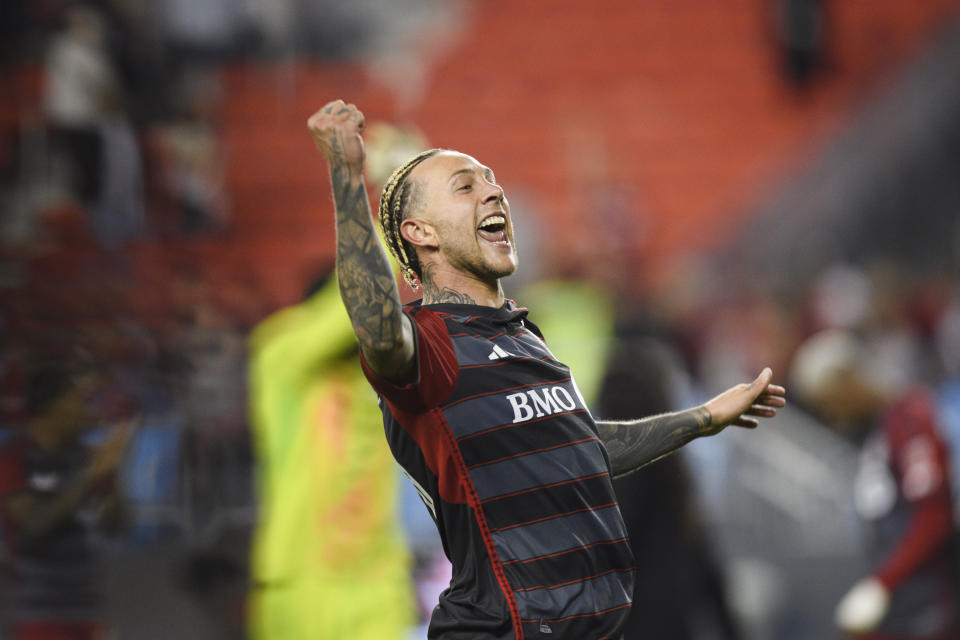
(394, 201)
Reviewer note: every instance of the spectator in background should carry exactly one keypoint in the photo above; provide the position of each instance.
(902, 491)
(193, 166)
(84, 106)
(328, 558)
(52, 487)
(80, 82)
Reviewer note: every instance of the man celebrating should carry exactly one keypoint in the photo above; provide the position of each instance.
(490, 427)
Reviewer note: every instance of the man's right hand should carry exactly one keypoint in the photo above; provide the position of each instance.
(367, 282)
(336, 131)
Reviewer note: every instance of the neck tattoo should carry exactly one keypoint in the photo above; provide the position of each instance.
(434, 295)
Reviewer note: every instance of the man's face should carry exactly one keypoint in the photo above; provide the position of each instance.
(460, 200)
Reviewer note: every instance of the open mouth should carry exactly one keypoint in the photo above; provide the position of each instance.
(493, 229)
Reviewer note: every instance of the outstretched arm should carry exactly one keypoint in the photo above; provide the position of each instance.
(636, 443)
(367, 283)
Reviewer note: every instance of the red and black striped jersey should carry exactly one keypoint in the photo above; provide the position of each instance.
(499, 442)
(903, 492)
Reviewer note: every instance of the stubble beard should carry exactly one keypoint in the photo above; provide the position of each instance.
(476, 264)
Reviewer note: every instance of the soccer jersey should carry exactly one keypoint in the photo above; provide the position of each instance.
(505, 454)
(328, 559)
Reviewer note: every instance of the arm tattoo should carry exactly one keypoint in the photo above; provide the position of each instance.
(433, 295)
(632, 445)
(366, 280)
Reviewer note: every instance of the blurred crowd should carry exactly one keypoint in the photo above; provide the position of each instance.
(124, 416)
(783, 509)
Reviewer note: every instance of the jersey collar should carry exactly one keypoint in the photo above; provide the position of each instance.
(508, 312)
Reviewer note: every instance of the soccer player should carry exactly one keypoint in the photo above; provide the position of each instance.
(902, 493)
(327, 549)
(490, 427)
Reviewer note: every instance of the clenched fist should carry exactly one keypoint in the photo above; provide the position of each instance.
(336, 131)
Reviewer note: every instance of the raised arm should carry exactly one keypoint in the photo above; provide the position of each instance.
(636, 443)
(367, 283)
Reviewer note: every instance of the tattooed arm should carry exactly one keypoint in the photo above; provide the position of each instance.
(634, 444)
(367, 283)
(637, 443)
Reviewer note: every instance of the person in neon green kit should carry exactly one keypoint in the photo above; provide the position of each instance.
(328, 558)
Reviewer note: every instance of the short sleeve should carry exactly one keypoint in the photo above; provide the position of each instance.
(436, 363)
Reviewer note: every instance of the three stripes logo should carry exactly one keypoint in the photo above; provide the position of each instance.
(498, 353)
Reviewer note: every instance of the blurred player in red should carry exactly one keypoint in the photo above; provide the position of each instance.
(902, 492)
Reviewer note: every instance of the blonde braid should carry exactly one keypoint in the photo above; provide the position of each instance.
(393, 202)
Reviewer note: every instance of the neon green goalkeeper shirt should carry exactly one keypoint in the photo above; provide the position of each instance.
(328, 558)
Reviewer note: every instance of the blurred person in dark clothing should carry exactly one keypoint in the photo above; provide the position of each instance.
(902, 492)
(678, 587)
(52, 488)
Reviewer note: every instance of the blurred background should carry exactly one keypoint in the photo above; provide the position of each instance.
(701, 185)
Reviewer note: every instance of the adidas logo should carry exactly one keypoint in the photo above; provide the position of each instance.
(498, 353)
